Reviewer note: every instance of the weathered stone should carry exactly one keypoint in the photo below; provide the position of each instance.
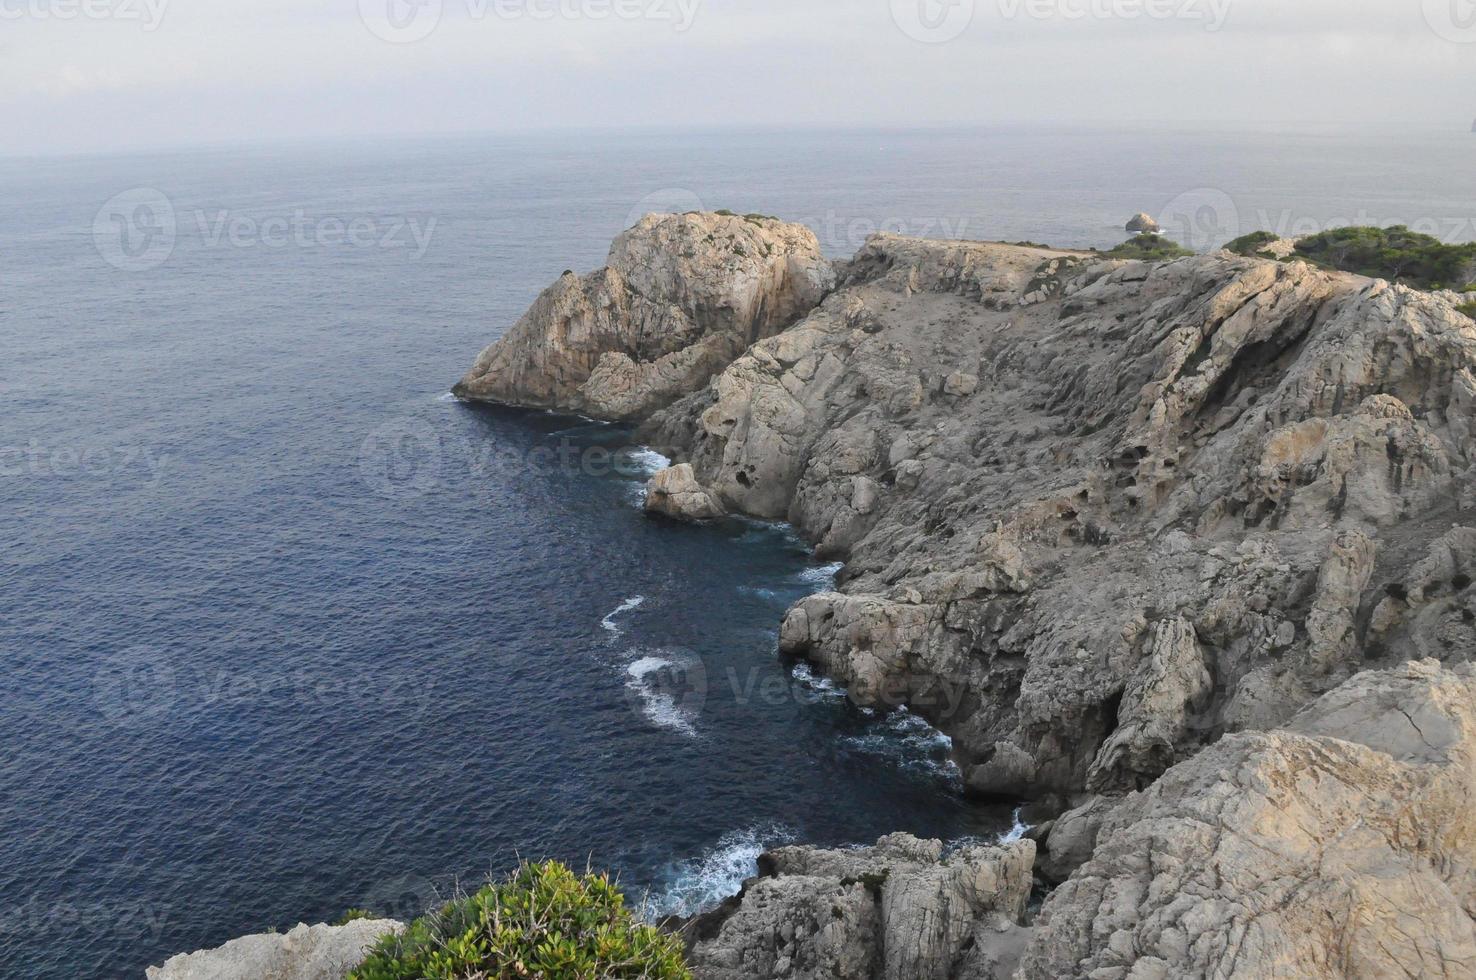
(681, 296)
(305, 952)
(901, 910)
(674, 492)
(1343, 846)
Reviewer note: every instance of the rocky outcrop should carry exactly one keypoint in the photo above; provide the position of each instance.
(680, 297)
(1142, 222)
(902, 910)
(675, 493)
(306, 952)
(1341, 846)
(1097, 514)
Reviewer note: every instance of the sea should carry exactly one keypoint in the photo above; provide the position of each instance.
(286, 630)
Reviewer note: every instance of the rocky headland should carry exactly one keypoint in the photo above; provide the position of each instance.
(1179, 552)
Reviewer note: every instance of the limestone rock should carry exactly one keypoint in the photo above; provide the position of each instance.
(679, 298)
(1142, 222)
(1246, 453)
(675, 492)
(1341, 846)
(902, 910)
(306, 952)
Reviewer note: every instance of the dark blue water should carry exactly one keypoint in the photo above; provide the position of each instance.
(286, 631)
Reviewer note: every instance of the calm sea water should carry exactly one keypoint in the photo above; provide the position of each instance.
(286, 631)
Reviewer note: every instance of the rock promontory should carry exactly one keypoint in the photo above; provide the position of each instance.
(679, 298)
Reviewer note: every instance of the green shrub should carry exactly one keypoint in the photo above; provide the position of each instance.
(1251, 245)
(1469, 309)
(353, 915)
(544, 921)
(1149, 247)
(1394, 253)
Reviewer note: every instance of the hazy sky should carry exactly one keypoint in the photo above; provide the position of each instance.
(106, 74)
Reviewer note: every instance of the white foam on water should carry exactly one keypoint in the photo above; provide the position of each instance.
(909, 742)
(609, 621)
(447, 397)
(657, 705)
(824, 686)
(756, 591)
(822, 576)
(700, 883)
(1017, 832)
(649, 460)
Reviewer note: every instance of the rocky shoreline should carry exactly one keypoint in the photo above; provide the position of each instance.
(1182, 552)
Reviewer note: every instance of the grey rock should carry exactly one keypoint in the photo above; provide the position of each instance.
(901, 910)
(305, 952)
(680, 297)
(1338, 847)
(675, 493)
(1238, 451)
(1142, 222)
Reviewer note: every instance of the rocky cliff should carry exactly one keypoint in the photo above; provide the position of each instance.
(1183, 551)
(1108, 511)
(680, 297)
(1103, 520)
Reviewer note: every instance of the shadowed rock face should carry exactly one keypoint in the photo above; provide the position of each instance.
(1097, 514)
(1342, 846)
(901, 910)
(680, 297)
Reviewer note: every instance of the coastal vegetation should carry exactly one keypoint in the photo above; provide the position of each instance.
(542, 921)
(1252, 244)
(1395, 253)
(1148, 247)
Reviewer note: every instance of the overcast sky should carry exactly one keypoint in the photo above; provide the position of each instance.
(126, 74)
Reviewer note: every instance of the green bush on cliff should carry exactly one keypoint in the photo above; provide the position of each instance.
(543, 921)
(1148, 247)
(1394, 253)
(1251, 245)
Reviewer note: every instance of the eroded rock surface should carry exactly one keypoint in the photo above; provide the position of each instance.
(679, 298)
(902, 910)
(1097, 514)
(306, 952)
(1341, 846)
(675, 493)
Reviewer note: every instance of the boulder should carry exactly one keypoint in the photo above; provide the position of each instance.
(1142, 222)
(674, 492)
